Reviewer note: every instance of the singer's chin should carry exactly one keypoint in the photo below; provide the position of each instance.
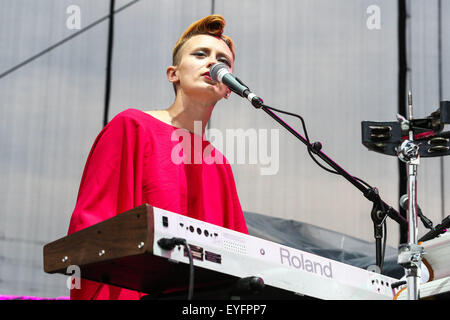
(210, 93)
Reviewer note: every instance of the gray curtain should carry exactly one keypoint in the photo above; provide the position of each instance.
(317, 58)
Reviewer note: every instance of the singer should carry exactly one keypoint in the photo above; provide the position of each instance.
(130, 162)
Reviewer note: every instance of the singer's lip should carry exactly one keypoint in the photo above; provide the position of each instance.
(208, 77)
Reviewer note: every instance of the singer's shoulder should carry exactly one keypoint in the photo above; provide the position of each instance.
(129, 119)
(150, 122)
(137, 116)
(130, 114)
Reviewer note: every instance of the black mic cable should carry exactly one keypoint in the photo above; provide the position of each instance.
(170, 243)
(313, 147)
(219, 72)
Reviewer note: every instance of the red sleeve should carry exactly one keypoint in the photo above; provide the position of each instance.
(111, 184)
(112, 177)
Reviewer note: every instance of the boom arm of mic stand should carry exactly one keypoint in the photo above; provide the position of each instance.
(368, 193)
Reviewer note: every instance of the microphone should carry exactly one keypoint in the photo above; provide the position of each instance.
(220, 73)
(438, 230)
(404, 204)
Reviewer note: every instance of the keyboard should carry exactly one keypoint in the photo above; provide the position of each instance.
(124, 251)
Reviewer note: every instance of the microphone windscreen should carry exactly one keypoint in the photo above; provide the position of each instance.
(215, 69)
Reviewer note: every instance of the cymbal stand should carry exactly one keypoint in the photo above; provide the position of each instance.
(410, 254)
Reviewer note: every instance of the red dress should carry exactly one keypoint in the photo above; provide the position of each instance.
(139, 159)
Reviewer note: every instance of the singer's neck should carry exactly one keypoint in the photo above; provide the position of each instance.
(185, 111)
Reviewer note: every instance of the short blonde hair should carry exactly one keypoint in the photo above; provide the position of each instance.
(212, 25)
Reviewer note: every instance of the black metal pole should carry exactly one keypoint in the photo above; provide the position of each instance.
(109, 62)
(402, 92)
(441, 161)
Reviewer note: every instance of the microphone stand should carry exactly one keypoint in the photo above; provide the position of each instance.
(380, 209)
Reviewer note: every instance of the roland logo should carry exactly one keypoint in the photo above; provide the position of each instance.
(299, 262)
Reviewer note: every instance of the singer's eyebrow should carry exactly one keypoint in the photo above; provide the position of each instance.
(219, 53)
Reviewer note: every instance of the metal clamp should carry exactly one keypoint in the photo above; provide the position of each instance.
(410, 255)
(408, 152)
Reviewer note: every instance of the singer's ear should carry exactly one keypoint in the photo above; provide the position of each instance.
(172, 74)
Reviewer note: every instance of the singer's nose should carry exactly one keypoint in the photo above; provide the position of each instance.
(211, 61)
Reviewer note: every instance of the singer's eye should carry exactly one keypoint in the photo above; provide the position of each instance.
(225, 60)
(199, 54)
